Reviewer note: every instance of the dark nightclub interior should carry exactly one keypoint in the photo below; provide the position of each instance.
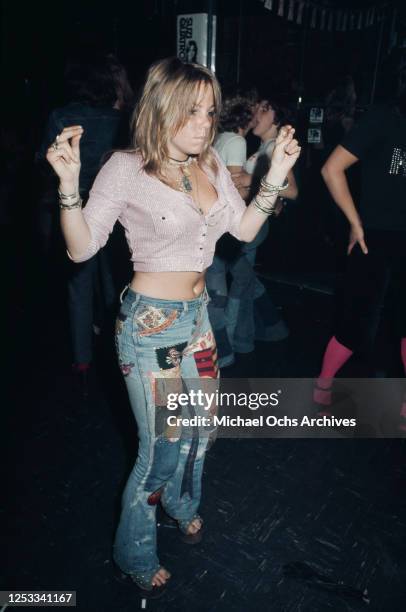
(292, 523)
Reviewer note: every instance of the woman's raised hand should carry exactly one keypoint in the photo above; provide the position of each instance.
(285, 153)
(64, 156)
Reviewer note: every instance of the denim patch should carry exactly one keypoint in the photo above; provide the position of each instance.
(158, 387)
(170, 356)
(164, 464)
(206, 362)
(203, 342)
(126, 368)
(120, 323)
(151, 320)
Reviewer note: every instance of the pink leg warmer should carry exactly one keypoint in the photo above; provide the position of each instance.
(335, 357)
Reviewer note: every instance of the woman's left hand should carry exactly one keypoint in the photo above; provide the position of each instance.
(285, 153)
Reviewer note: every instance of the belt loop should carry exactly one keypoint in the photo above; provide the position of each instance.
(122, 293)
(185, 306)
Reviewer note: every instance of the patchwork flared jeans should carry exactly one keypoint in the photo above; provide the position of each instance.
(156, 340)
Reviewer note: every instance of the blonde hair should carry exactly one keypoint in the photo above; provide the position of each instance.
(171, 89)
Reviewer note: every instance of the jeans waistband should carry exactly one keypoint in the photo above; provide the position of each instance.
(132, 296)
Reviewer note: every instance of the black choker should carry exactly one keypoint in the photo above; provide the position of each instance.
(180, 161)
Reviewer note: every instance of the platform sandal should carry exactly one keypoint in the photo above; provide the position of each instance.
(322, 400)
(190, 538)
(142, 581)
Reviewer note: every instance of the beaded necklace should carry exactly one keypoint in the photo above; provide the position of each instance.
(184, 182)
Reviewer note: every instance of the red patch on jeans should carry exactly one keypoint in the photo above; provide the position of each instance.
(206, 362)
(154, 498)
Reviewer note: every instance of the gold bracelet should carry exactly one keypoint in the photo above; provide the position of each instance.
(265, 210)
(264, 201)
(276, 188)
(77, 204)
(67, 197)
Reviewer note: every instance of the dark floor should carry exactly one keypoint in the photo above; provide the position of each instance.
(338, 506)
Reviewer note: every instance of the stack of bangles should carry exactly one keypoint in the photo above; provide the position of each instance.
(267, 190)
(69, 202)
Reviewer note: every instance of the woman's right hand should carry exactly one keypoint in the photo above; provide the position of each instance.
(64, 157)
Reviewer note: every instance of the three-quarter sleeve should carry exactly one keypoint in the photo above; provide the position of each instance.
(105, 205)
(236, 205)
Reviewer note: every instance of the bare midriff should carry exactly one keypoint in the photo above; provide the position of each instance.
(169, 285)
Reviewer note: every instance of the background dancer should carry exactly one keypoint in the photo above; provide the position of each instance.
(377, 241)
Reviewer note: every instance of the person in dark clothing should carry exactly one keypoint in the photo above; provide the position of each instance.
(377, 241)
(99, 92)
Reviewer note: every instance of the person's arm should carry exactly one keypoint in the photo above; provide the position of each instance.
(241, 179)
(85, 231)
(364, 137)
(65, 160)
(248, 220)
(236, 170)
(333, 173)
(292, 191)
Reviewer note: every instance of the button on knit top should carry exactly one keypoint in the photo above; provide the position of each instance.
(164, 228)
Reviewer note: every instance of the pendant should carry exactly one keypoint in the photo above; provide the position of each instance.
(186, 184)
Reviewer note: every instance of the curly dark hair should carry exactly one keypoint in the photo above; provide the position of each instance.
(90, 80)
(235, 113)
(283, 114)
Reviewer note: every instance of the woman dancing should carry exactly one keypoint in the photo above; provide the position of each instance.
(175, 198)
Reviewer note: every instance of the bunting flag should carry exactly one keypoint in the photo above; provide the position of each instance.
(313, 20)
(324, 16)
(299, 17)
(338, 20)
(323, 19)
(330, 21)
(359, 24)
(291, 10)
(352, 21)
(367, 17)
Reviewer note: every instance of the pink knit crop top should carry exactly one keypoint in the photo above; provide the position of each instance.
(165, 230)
